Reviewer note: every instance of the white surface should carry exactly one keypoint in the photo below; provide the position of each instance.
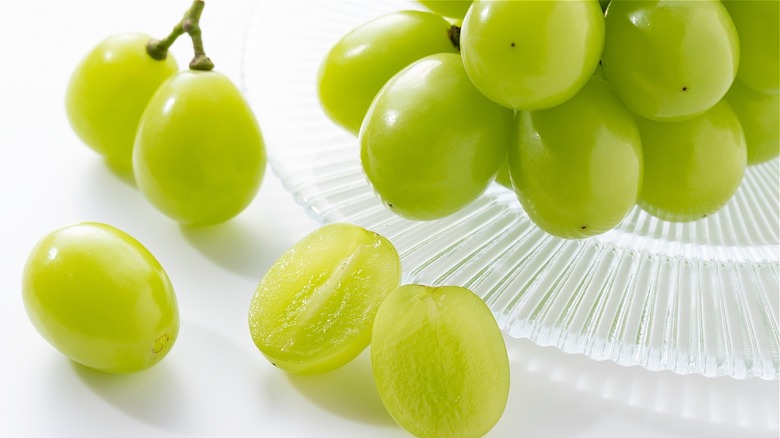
(215, 383)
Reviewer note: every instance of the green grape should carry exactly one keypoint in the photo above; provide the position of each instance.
(431, 142)
(758, 26)
(99, 297)
(670, 60)
(439, 361)
(529, 54)
(108, 91)
(314, 308)
(759, 115)
(360, 63)
(199, 155)
(448, 8)
(693, 167)
(577, 167)
(503, 176)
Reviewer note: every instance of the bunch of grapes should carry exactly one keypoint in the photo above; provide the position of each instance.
(188, 138)
(585, 109)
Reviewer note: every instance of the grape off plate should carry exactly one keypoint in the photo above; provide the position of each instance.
(692, 298)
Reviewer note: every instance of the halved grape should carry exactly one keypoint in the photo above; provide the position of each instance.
(439, 361)
(108, 92)
(531, 55)
(99, 297)
(199, 156)
(313, 310)
(577, 167)
(670, 60)
(360, 63)
(692, 168)
(759, 115)
(431, 143)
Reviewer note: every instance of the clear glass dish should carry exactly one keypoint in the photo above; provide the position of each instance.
(698, 297)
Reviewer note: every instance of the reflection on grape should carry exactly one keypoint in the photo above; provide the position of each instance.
(439, 361)
(313, 310)
(99, 297)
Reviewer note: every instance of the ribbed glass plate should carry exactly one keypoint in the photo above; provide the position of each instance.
(698, 297)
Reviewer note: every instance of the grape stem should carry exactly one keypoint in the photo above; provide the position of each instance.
(189, 24)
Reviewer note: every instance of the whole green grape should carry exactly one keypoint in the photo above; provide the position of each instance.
(577, 168)
(431, 142)
(109, 90)
(758, 26)
(528, 54)
(759, 115)
(448, 8)
(99, 297)
(670, 60)
(199, 155)
(693, 167)
(360, 63)
(314, 308)
(439, 361)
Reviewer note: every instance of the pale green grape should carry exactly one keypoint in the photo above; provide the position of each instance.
(431, 142)
(360, 63)
(99, 297)
(670, 60)
(314, 308)
(448, 8)
(759, 115)
(693, 167)
(108, 91)
(199, 155)
(439, 361)
(577, 167)
(758, 26)
(531, 54)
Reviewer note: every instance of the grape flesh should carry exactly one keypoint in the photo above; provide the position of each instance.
(577, 168)
(439, 361)
(199, 155)
(531, 55)
(99, 297)
(108, 92)
(360, 63)
(314, 309)
(431, 143)
(670, 60)
(759, 115)
(693, 167)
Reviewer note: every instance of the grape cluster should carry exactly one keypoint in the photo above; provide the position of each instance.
(585, 109)
(188, 138)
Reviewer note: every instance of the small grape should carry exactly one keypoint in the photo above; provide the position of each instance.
(360, 63)
(108, 92)
(439, 361)
(448, 8)
(199, 154)
(693, 167)
(759, 115)
(99, 297)
(670, 60)
(577, 167)
(314, 309)
(531, 55)
(431, 143)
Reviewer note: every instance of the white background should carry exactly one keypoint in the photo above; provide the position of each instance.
(215, 383)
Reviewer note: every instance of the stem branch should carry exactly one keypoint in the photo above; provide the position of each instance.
(189, 24)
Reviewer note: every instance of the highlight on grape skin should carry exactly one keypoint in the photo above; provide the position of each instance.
(101, 298)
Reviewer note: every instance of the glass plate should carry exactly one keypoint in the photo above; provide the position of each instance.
(698, 297)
